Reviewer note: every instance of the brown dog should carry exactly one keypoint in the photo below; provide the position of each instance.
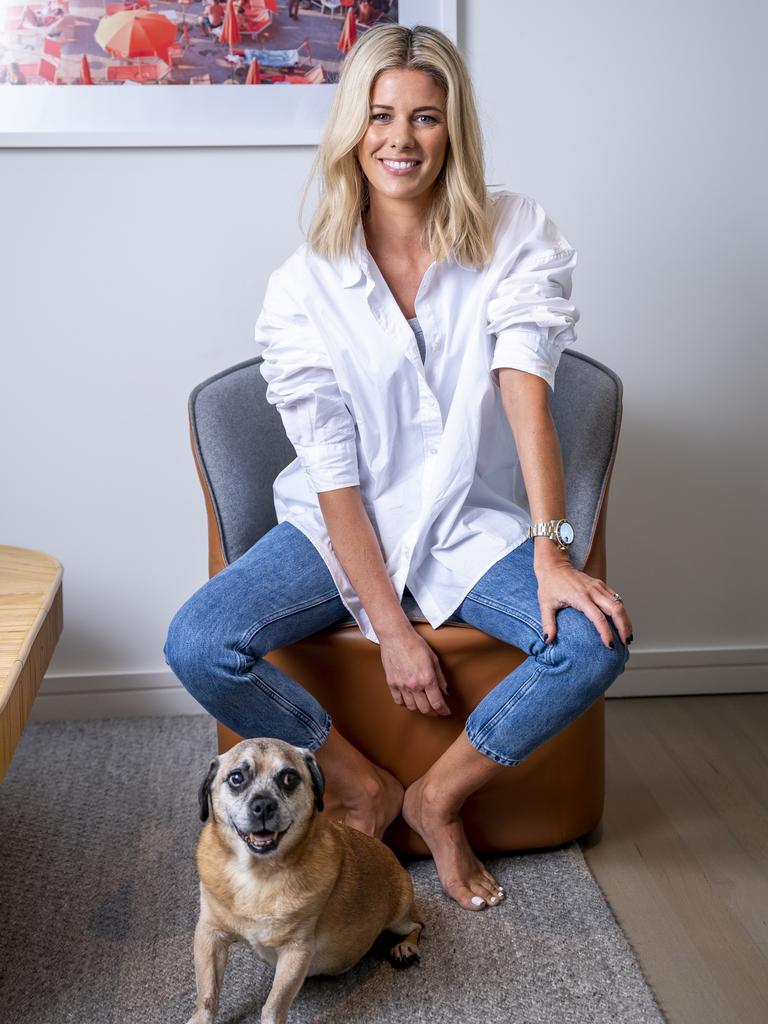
(309, 895)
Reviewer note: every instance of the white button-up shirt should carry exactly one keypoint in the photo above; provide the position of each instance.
(428, 443)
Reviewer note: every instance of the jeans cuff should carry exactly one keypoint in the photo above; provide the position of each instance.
(498, 758)
(326, 728)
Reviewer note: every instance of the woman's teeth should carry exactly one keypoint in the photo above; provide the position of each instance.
(400, 165)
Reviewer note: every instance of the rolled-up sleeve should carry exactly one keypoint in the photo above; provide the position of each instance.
(529, 311)
(302, 384)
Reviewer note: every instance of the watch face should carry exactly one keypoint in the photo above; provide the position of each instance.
(566, 533)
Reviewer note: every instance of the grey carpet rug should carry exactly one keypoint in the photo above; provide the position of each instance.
(99, 900)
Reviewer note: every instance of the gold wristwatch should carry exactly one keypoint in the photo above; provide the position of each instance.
(558, 530)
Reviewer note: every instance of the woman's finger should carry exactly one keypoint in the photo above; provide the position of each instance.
(408, 700)
(397, 696)
(548, 622)
(596, 617)
(436, 700)
(615, 610)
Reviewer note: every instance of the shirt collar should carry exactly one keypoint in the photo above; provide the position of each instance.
(352, 268)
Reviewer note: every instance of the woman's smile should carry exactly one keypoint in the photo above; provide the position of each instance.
(398, 166)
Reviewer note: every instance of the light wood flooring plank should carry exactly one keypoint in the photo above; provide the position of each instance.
(682, 859)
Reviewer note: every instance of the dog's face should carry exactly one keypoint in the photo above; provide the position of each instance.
(266, 790)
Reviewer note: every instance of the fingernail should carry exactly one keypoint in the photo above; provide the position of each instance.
(611, 644)
(630, 638)
(546, 636)
(478, 900)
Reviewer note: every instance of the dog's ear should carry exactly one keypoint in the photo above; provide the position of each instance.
(205, 788)
(318, 778)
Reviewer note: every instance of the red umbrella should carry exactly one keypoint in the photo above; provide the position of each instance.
(230, 30)
(254, 74)
(135, 34)
(85, 72)
(348, 32)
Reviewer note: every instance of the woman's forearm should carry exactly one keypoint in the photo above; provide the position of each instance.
(524, 397)
(357, 548)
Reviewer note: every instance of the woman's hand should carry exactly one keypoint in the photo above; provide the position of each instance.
(563, 586)
(413, 673)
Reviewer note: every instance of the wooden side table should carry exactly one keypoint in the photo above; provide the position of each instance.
(30, 625)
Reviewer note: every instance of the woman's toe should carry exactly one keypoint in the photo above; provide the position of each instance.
(472, 897)
(491, 893)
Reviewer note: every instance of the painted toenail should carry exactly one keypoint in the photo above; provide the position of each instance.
(478, 900)
(493, 899)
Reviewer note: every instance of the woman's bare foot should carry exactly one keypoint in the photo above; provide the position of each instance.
(370, 795)
(461, 874)
(374, 812)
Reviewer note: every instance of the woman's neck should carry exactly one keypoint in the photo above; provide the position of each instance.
(395, 226)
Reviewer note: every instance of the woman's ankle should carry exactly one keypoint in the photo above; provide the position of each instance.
(348, 772)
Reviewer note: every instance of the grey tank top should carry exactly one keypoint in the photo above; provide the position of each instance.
(414, 322)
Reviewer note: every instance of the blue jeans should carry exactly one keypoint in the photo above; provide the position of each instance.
(281, 591)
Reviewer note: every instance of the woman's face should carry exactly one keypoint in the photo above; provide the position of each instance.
(407, 124)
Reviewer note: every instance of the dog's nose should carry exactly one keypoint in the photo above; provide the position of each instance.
(263, 804)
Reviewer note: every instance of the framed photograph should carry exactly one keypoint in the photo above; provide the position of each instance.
(200, 48)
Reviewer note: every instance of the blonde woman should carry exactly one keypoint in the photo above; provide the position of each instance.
(409, 345)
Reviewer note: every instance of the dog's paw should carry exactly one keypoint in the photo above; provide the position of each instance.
(403, 954)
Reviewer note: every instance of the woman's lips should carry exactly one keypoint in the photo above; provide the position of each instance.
(399, 170)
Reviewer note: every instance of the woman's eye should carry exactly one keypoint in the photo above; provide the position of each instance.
(428, 116)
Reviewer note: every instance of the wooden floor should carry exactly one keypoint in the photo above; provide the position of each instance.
(683, 854)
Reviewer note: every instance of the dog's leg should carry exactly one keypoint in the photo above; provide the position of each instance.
(410, 925)
(211, 952)
(292, 965)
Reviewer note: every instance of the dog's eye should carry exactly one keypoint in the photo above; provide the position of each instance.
(235, 779)
(289, 779)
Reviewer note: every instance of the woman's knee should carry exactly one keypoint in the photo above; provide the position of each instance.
(578, 648)
(196, 648)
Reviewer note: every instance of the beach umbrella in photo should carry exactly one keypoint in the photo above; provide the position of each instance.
(254, 74)
(85, 72)
(27, 15)
(136, 34)
(230, 30)
(348, 32)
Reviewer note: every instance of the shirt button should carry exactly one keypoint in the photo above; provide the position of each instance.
(435, 344)
(406, 552)
(433, 451)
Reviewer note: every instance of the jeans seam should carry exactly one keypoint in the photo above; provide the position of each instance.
(255, 679)
(252, 630)
(512, 613)
(506, 610)
(509, 703)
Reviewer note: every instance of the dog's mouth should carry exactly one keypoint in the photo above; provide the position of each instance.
(263, 841)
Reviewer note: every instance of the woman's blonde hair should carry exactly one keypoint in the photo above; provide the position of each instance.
(458, 221)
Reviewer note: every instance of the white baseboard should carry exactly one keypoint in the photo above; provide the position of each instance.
(649, 673)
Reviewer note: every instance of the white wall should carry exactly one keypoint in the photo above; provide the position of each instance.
(125, 282)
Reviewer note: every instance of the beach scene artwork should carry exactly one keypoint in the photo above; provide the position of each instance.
(182, 42)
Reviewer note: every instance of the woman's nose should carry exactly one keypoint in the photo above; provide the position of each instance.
(402, 131)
